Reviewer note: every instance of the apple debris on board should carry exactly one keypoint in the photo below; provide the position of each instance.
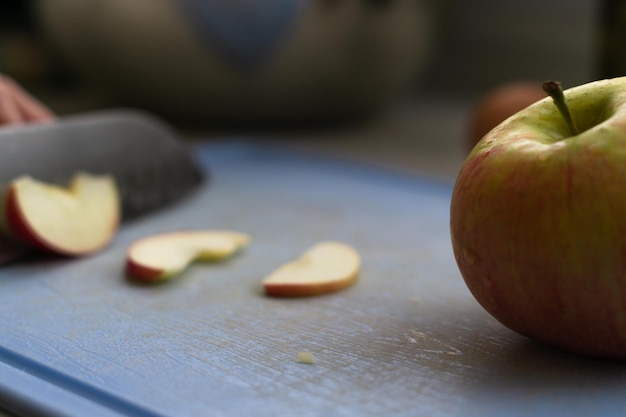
(73, 221)
(160, 257)
(306, 357)
(326, 267)
(538, 219)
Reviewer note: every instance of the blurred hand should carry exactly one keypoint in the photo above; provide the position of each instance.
(17, 106)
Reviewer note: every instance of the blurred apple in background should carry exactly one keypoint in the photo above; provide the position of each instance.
(498, 104)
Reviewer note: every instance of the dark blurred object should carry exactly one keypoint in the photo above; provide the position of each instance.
(15, 12)
(378, 3)
(311, 59)
(488, 43)
(612, 33)
(20, 54)
(27, 57)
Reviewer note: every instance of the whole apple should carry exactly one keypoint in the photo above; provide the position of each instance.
(538, 221)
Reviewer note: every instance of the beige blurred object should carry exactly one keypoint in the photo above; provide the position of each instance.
(340, 58)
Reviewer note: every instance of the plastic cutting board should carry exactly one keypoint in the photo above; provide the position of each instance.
(77, 339)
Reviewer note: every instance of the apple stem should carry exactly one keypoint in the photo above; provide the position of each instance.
(554, 90)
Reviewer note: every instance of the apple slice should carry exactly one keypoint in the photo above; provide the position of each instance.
(326, 267)
(159, 257)
(73, 221)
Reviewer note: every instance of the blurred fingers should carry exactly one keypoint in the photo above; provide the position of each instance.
(18, 106)
(9, 110)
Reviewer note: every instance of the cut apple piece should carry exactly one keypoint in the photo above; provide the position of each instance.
(159, 257)
(73, 221)
(326, 267)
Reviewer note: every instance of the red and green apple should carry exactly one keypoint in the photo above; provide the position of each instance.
(538, 219)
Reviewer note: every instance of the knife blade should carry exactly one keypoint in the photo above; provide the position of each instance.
(152, 165)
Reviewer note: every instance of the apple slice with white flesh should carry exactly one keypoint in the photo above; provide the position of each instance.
(325, 268)
(73, 221)
(163, 256)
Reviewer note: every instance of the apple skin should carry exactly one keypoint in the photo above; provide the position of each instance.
(299, 290)
(146, 274)
(18, 225)
(538, 222)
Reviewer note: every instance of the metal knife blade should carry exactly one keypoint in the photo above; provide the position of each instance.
(151, 164)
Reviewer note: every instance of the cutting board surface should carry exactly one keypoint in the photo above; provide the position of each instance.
(77, 339)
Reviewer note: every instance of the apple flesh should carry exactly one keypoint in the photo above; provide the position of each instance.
(163, 256)
(538, 221)
(326, 267)
(73, 221)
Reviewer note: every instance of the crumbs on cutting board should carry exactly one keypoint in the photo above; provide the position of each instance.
(305, 357)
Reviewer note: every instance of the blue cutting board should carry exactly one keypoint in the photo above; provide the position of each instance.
(77, 339)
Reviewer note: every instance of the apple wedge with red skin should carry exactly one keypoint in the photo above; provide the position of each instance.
(538, 220)
(325, 268)
(162, 256)
(74, 221)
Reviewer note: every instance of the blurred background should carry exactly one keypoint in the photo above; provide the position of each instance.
(392, 81)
